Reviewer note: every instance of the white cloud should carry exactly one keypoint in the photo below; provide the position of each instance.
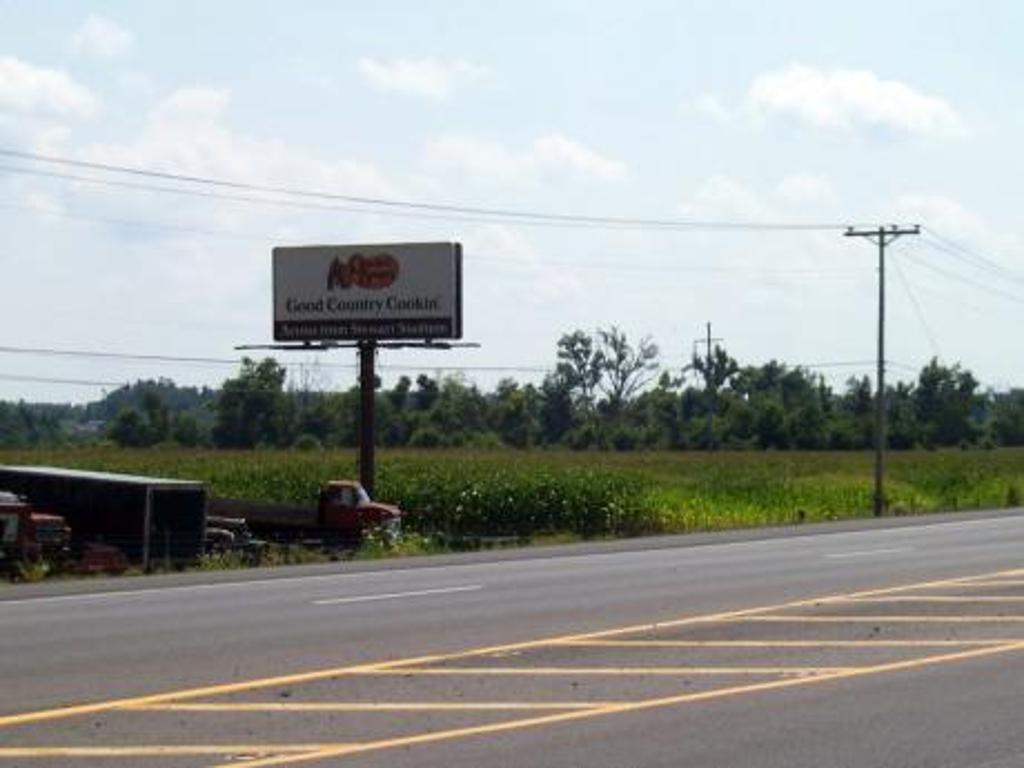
(43, 203)
(851, 99)
(522, 270)
(430, 78)
(41, 92)
(137, 84)
(102, 37)
(556, 151)
(552, 155)
(807, 189)
(952, 219)
(712, 106)
(188, 132)
(723, 198)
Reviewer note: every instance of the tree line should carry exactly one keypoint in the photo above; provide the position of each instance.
(605, 392)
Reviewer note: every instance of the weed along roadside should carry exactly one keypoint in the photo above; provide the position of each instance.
(459, 500)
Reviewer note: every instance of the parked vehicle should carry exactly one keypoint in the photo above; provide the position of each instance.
(225, 534)
(149, 519)
(28, 534)
(344, 514)
(97, 557)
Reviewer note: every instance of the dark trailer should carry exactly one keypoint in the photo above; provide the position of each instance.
(148, 518)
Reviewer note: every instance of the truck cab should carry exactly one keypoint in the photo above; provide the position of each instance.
(346, 508)
(28, 534)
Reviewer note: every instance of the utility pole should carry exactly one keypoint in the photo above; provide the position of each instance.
(881, 236)
(708, 384)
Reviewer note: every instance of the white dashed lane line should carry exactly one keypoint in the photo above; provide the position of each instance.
(398, 595)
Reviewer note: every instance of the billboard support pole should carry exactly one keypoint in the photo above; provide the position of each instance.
(367, 413)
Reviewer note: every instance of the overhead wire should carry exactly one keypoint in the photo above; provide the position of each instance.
(52, 380)
(627, 267)
(223, 361)
(963, 279)
(916, 307)
(970, 256)
(201, 360)
(320, 200)
(504, 214)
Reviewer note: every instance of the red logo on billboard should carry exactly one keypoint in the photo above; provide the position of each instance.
(372, 272)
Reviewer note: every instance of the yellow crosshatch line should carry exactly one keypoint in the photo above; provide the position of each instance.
(923, 619)
(170, 750)
(881, 644)
(268, 755)
(938, 599)
(612, 671)
(374, 706)
(324, 674)
(638, 706)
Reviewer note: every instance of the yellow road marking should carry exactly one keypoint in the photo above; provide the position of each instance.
(626, 671)
(991, 583)
(938, 599)
(374, 706)
(786, 643)
(323, 674)
(926, 619)
(168, 750)
(564, 717)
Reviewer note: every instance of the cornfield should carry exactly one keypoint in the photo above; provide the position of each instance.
(504, 493)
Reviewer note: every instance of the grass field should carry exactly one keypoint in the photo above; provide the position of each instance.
(467, 494)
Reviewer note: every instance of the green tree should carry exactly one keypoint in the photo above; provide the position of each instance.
(1008, 417)
(556, 409)
(252, 408)
(129, 429)
(623, 369)
(580, 367)
(945, 400)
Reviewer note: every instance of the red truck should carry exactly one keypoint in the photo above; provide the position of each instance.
(28, 534)
(343, 515)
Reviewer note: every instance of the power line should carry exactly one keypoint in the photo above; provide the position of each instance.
(300, 204)
(917, 307)
(627, 267)
(379, 202)
(225, 361)
(966, 280)
(50, 380)
(194, 360)
(967, 255)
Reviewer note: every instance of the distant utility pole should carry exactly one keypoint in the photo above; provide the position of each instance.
(709, 384)
(881, 236)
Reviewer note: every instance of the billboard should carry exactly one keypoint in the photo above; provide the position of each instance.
(357, 292)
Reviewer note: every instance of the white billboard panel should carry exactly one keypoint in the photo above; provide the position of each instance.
(356, 292)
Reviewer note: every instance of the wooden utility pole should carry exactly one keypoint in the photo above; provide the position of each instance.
(709, 384)
(882, 236)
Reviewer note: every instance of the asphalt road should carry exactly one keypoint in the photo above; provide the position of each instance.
(886, 645)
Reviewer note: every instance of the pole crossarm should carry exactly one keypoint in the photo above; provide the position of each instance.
(881, 236)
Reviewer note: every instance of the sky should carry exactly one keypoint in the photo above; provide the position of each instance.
(823, 114)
